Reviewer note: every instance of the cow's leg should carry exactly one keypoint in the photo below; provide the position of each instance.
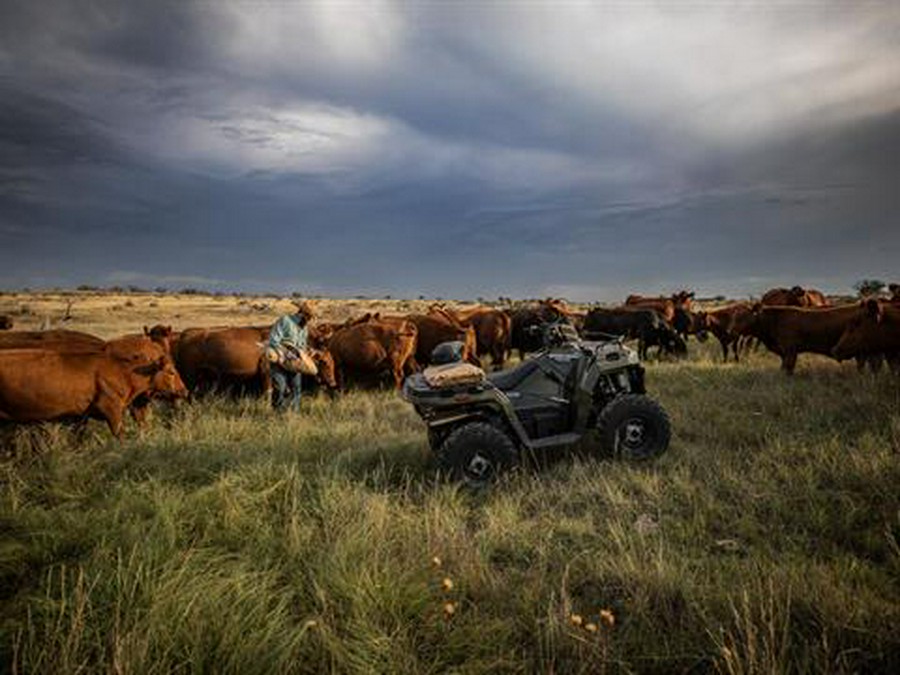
(112, 410)
(497, 357)
(724, 344)
(893, 359)
(140, 412)
(875, 362)
(789, 362)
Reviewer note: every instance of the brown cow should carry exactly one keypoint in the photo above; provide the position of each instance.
(797, 296)
(720, 322)
(373, 347)
(210, 358)
(894, 290)
(134, 348)
(234, 357)
(6, 322)
(433, 330)
(39, 385)
(875, 332)
(493, 329)
(789, 331)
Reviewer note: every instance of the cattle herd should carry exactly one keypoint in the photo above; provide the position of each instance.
(64, 374)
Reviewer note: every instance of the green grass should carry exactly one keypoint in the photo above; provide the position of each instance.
(227, 538)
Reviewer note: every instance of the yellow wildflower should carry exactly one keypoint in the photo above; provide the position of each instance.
(576, 620)
(591, 627)
(447, 584)
(607, 617)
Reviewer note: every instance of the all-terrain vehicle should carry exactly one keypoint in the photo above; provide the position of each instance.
(572, 394)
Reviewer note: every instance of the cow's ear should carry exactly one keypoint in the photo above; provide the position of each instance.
(167, 331)
(146, 330)
(874, 309)
(756, 308)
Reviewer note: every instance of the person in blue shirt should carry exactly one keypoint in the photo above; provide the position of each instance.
(287, 337)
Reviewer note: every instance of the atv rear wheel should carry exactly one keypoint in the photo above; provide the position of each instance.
(634, 427)
(477, 453)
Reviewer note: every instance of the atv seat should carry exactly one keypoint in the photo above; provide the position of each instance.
(505, 380)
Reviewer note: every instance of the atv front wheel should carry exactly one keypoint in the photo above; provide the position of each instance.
(477, 453)
(634, 427)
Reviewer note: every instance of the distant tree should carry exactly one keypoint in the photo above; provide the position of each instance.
(162, 290)
(867, 287)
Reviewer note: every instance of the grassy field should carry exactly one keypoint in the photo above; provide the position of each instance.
(228, 538)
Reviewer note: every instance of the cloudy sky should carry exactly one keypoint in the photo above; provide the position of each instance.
(450, 149)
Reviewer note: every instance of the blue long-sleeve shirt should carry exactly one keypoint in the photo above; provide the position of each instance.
(287, 332)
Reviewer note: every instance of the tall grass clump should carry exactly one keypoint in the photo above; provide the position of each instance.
(228, 538)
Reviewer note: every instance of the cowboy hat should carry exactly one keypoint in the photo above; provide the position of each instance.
(305, 307)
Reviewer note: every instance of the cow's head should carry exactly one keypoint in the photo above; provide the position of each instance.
(682, 299)
(320, 334)
(745, 323)
(858, 333)
(164, 378)
(798, 294)
(703, 320)
(553, 309)
(163, 335)
(325, 367)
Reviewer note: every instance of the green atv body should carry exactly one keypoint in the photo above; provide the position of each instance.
(571, 394)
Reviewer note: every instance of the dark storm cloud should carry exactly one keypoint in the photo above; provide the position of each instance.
(383, 147)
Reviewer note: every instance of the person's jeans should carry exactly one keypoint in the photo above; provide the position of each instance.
(285, 389)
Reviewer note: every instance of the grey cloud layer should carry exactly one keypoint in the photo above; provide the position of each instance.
(453, 151)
